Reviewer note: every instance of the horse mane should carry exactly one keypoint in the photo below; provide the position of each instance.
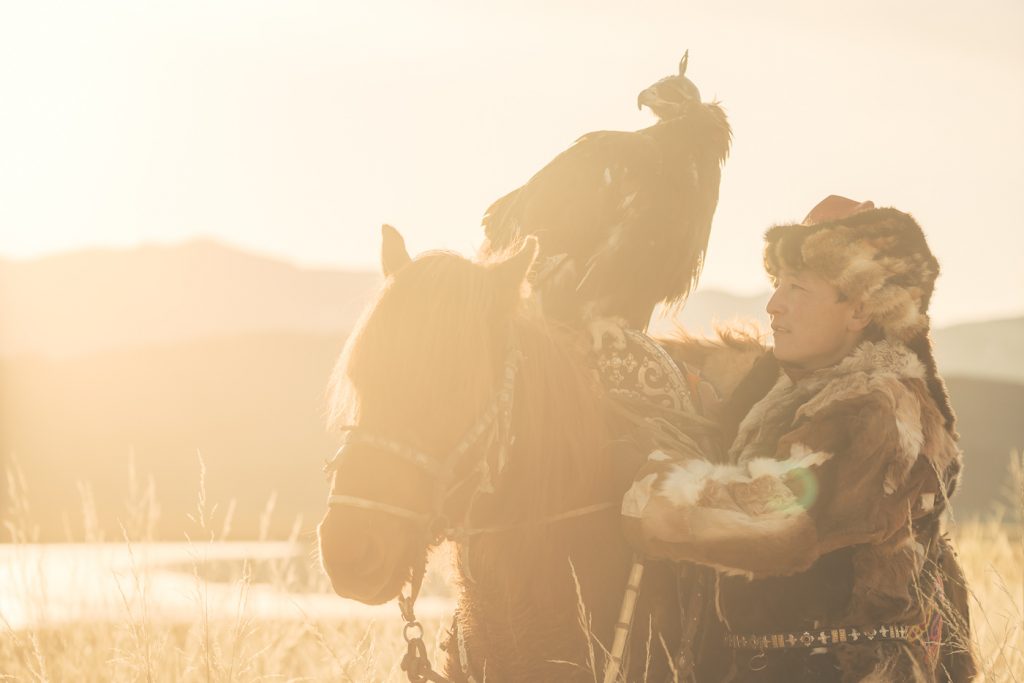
(561, 460)
(434, 331)
(736, 363)
(560, 455)
(723, 359)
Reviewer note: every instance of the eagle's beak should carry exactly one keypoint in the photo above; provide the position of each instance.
(647, 97)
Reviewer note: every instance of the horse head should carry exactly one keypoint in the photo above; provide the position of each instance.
(419, 390)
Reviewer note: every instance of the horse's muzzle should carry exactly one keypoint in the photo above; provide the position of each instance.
(364, 566)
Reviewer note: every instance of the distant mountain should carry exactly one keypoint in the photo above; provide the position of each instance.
(95, 300)
(990, 419)
(993, 350)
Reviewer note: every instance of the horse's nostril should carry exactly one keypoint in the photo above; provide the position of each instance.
(351, 550)
(355, 552)
(362, 565)
(366, 556)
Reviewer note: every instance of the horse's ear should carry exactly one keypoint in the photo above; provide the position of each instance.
(512, 271)
(393, 254)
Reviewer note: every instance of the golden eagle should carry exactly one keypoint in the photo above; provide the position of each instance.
(623, 218)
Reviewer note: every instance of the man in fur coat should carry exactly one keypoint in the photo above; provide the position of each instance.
(825, 526)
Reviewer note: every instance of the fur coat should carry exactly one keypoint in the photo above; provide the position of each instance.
(827, 516)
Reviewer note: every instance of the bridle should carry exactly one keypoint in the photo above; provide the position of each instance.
(496, 418)
(493, 422)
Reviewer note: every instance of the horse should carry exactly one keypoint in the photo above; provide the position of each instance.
(469, 416)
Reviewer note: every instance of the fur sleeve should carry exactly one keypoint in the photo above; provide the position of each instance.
(848, 474)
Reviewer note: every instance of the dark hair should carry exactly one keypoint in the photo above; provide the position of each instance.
(921, 345)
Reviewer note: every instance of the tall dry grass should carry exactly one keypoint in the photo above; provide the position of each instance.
(134, 644)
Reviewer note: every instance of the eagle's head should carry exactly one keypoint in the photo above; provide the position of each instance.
(672, 96)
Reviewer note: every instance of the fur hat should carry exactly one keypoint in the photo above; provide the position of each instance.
(878, 257)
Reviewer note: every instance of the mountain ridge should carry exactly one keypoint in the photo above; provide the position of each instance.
(105, 298)
(72, 303)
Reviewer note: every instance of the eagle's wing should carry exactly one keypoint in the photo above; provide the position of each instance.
(658, 250)
(575, 193)
(623, 217)
(579, 205)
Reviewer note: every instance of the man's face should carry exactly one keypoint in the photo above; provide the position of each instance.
(812, 327)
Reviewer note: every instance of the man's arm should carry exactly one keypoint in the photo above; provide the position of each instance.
(851, 474)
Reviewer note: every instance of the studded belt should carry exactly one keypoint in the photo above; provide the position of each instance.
(927, 634)
(824, 637)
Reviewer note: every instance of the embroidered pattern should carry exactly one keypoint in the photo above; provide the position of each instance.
(644, 372)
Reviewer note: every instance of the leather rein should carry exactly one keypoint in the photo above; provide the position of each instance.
(495, 424)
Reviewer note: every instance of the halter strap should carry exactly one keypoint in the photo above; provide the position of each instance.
(358, 436)
(440, 469)
(551, 519)
(367, 504)
(464, 532)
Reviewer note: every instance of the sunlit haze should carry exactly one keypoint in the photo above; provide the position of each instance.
(222, 430)
(295, 129)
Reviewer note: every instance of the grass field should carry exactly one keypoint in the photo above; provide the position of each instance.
(133, 644)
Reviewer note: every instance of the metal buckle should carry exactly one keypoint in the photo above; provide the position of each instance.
(408, 627)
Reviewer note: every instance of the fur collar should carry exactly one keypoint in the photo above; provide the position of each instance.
(882, 358)
(869, 366)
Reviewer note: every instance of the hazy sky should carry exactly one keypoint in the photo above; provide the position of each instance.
(296, 128)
